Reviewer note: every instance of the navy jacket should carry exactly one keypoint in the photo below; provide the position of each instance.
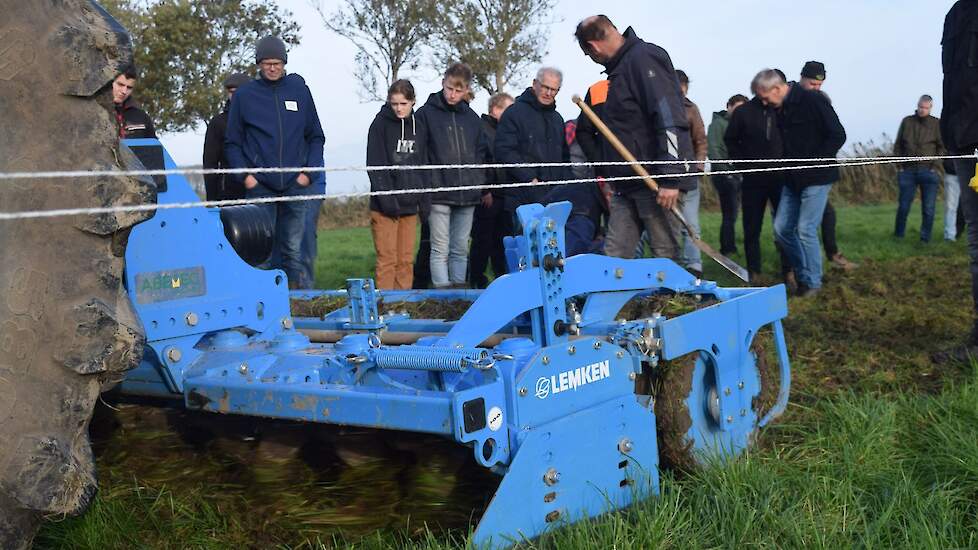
(531, 132)
(275, 125)
(455, 136)
(395, 141)
(810, 129)
(645, 111)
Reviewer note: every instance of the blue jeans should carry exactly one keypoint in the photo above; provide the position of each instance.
(908, 180)
(290, 220)
(450, 227)
(310, 244)
(796, 229)
(952, 195)
(691, 211)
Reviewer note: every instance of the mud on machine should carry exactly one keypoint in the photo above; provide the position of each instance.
(538, 377)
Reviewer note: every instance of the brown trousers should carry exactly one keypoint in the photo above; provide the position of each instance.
(394, 243)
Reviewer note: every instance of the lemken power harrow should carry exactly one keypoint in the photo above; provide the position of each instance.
(539, 376)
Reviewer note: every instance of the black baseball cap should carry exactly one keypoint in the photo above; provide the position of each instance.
(814, 70)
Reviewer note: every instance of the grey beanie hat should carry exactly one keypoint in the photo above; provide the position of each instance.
(236, 80)
(271, 47)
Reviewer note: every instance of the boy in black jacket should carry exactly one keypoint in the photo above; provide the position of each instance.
(455, 135)
(395, 138)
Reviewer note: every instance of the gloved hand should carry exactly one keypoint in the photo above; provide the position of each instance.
(973, 184)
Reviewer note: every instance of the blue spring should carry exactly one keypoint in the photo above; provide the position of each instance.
(426, 358)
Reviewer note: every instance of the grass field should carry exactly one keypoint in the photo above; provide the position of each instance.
(878, 449)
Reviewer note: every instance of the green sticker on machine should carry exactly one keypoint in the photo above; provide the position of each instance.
(171, 284)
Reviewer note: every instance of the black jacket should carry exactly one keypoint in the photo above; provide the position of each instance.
(395, 141)
(133, 122)
(645, 111)
(959, 119)
(810, 129)
(455, 135)
(493, 175)
(219, 186)
(531, 132)
(753, 133)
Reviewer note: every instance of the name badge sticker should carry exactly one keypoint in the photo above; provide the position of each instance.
(291, 105)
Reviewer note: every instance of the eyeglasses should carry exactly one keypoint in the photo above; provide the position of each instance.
(547, 89)
(272, 64)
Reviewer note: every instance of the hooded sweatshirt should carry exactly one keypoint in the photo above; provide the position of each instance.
(455, 135)
(531, 132)
(133, 122)
(393, 141)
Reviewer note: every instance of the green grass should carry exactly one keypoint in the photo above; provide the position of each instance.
(878, 448)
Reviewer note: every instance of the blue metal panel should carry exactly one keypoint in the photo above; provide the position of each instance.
(177, 247)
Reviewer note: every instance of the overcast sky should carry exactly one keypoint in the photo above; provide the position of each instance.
(880, 56)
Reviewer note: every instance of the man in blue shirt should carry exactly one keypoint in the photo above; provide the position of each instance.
(273, 124)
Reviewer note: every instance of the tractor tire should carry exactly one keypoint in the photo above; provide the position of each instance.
(67, 330)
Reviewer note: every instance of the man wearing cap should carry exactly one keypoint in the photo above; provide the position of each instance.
(222, 186)
(812, 78)
(273, 123)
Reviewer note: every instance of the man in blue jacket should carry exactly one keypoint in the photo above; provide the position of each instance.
(273, 124)
(644, 109)
(532, 131)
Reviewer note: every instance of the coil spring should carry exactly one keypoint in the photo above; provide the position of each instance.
(426, 358)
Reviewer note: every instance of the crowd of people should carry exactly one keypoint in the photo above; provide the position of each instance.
(271, 122)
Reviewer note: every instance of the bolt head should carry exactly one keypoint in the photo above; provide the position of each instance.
(743, 412)
(632, 376)
(191, 319)
(625, 445)
(729, 420)
(551, 477)
(243, 368)
(174, 355)
(619, 273)
(545, 360)
(620, 354)
(571, 350)
(660, 276)
(551, 225)
(740, 385)
(287, 323)
(726, 391)
(523, 392)
(596, 345)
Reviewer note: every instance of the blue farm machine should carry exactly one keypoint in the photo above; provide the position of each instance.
(573, 404)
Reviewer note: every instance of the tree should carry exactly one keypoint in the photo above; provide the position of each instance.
(389, 37)
(498, 39)
(185, 49)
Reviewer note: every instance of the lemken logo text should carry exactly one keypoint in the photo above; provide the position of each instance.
(572, 379)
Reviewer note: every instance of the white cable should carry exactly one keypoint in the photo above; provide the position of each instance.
(35, 214)
(52, 174)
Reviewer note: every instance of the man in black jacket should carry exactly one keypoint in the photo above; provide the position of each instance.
(644, 109)
(222, 186)
(131, 121)
(455, 136)
(532, 131)
(959, 128)
(491, 223)
(753, 134)
(810, 128)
